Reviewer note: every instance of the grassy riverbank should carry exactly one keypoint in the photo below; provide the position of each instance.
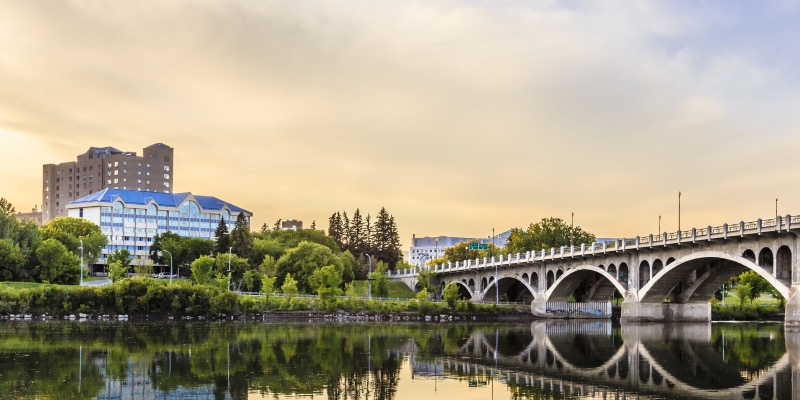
(150, 297)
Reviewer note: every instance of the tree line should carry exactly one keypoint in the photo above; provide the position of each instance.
(361, 237)
(49, 253)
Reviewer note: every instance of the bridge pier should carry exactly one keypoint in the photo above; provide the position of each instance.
(792, 316)
(660, 312)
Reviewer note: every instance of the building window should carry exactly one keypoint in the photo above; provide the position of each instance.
(124, 171)
(138, 172)
(116, 180)
(116, 172)
(166, 168)
(109, 165)
(109, 181)
(124, 163)
(116, 164)
(90, 168)
(139, 181)
(140, 164)
(148, 182)
(77, 185)
(166, 184)
(80, 213)
(166, 158)
(166, 176)
(148, 173)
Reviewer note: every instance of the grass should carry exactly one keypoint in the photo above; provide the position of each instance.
(14, 286)
(397, 290)
(766, 300)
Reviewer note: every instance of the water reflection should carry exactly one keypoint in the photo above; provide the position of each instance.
(546, 359)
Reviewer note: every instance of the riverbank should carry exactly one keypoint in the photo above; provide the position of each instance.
(148, 298)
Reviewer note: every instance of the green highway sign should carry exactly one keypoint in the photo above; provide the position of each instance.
(478, 246)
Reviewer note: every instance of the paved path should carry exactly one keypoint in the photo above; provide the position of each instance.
(97, 283)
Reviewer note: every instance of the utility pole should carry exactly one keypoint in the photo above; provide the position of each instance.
(776, 210)
(230, 250)
(659, 225)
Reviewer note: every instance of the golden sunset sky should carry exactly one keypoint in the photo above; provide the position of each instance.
(456, 116)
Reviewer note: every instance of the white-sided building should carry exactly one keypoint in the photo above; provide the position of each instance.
(132, 218)
(426, 248)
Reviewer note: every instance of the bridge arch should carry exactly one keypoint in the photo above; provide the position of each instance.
(518, 289)
(706, 284)
(565, 287)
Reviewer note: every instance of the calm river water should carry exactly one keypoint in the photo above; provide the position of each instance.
(540, 360)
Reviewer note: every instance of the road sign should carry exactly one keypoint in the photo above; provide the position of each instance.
(478, 246)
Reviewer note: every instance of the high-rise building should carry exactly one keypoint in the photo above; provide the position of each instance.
(132, 218)
(105, 167)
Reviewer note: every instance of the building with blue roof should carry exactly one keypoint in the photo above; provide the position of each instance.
(132, 218)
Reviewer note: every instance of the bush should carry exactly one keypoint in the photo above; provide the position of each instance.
(451, 294)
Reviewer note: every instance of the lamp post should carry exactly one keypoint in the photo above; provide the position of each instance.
(571, 229)
(776, 210)
(436, 249)
(496, 284)
(170, 265)
(659, 225)
(679, 211)
(230, 250)
(81, 262)
(369, 277)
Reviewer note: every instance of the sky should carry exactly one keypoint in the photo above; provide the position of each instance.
(457, 116)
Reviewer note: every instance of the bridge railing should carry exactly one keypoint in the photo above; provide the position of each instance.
(666, 238)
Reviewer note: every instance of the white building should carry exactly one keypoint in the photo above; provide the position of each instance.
(132, 218)
(427, 248)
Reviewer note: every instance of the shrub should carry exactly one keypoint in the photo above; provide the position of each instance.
(451, 294)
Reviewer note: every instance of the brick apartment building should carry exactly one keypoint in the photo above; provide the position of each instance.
(105, 167)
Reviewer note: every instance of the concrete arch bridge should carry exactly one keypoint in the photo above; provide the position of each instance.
(663, 277)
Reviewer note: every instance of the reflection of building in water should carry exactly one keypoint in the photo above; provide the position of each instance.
(138, 385)
(594, 358)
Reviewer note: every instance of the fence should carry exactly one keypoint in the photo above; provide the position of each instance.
(591, 309)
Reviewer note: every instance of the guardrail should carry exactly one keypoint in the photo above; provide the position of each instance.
(666, 238)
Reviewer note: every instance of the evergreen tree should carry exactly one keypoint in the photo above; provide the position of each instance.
(314, 224)
(335, 228)
(241, 239)
(355, 240)
(277, 225)
(367, 234)
(264, 228)
(221, 237)
(385, 238)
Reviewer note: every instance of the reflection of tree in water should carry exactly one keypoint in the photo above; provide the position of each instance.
(749, 347)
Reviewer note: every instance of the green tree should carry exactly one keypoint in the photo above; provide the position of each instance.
(327, 282)
(201, 269)
(546, 234)
(121, 255)
(756, 283)
(306, 258)
(451, 295)
(425, 278)
(56, 263)
(743, 291)
(237, 265)
(267, 285)
(380, 281)
(222, 240)
(386, 239)
(336, 230)
(241, 239)
(12, 260)
(70, 231)
(117, 271)
(289, 287)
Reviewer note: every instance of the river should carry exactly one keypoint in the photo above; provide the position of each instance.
(459, 361)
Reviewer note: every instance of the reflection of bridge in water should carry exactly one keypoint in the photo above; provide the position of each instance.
(582, 357)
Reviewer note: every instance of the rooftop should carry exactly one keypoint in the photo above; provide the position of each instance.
(161, 199)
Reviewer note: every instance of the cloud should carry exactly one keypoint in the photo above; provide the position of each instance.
(456, 116)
